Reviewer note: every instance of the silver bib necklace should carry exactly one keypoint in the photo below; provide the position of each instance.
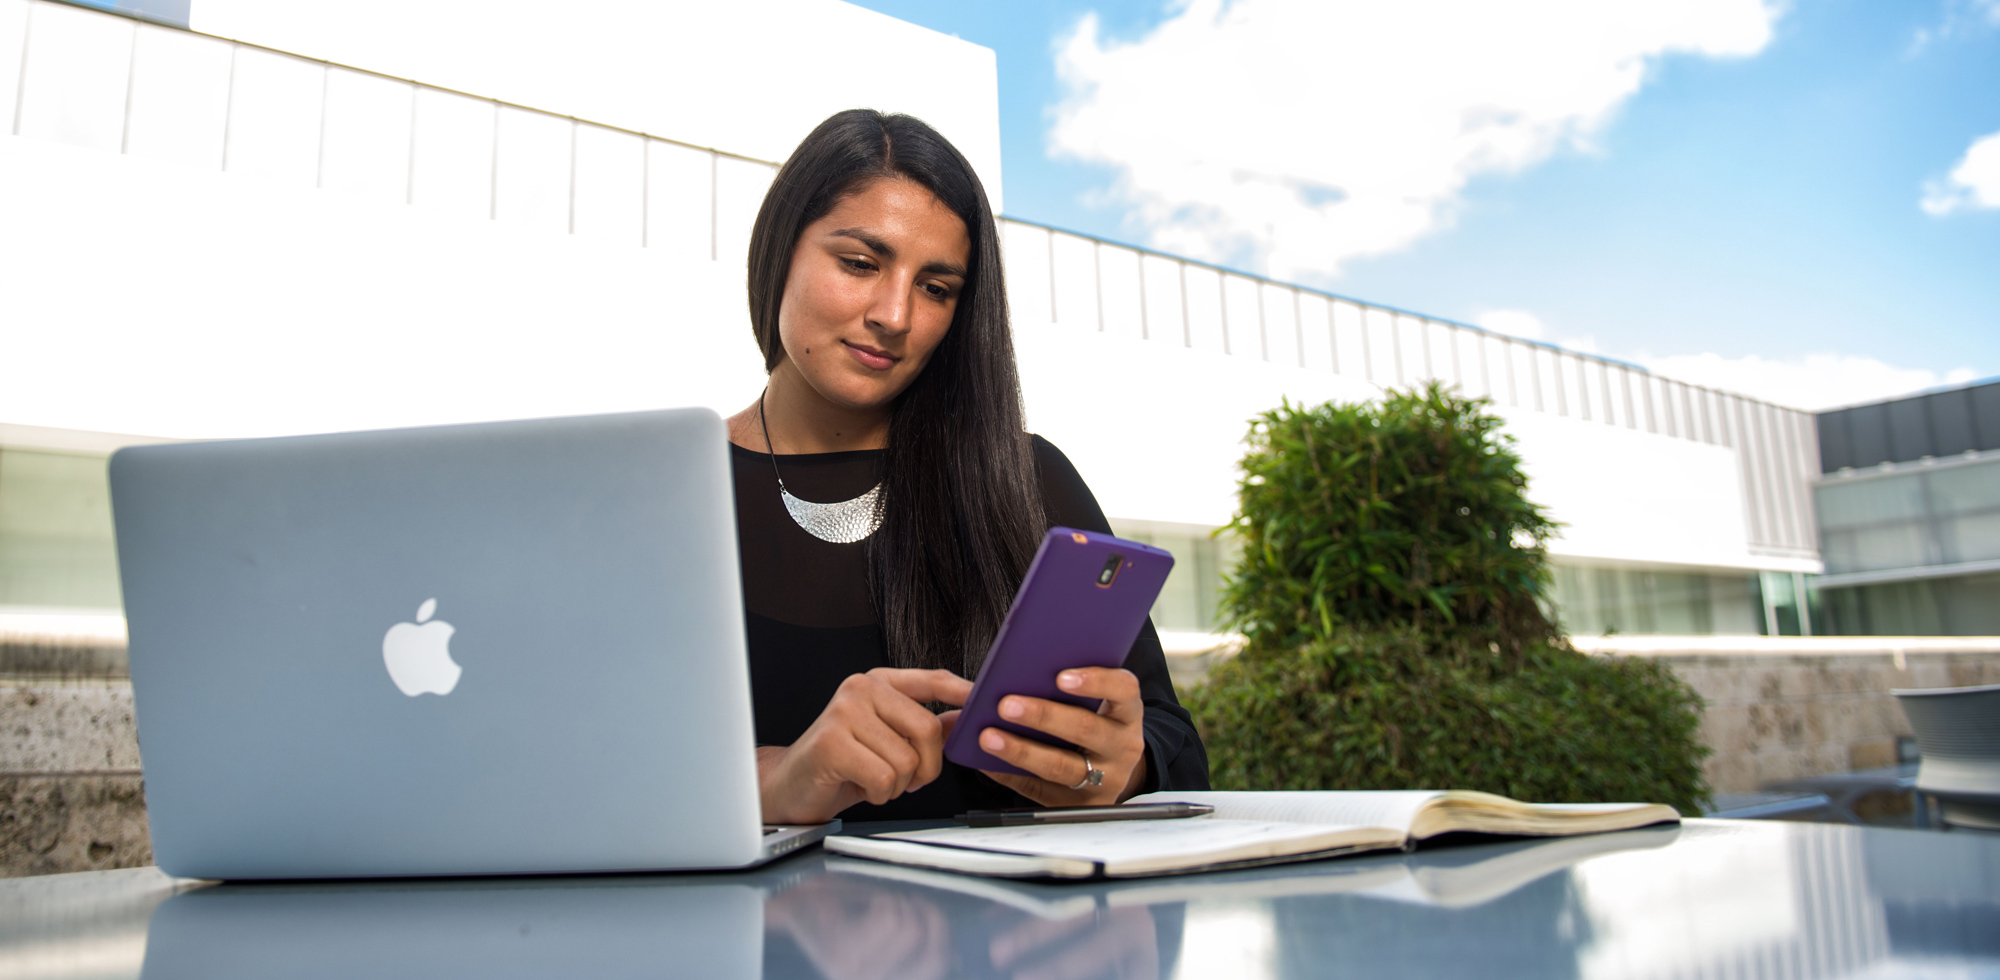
(839, 523)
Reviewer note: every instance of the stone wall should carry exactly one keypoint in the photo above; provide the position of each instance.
(1787, 707)
(1780, 708)
(71, 796)
(72, 799)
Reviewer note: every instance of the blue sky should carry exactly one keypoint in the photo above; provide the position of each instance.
(1746, 213)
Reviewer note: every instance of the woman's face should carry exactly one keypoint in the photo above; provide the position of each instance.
(871, 292)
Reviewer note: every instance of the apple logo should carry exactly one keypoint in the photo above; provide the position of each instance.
(419, 656)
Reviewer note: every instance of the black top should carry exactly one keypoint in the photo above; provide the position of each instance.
(812, 623)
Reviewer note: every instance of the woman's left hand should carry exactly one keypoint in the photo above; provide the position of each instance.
(1114, 735)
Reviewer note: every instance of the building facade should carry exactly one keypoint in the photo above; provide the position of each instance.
(1909, 510)
(273, 224)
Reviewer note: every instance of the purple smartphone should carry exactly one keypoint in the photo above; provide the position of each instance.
(1081, 605)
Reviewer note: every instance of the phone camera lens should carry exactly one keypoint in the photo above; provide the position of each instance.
(1110, 570)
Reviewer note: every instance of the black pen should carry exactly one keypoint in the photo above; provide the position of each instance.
(1031, 816)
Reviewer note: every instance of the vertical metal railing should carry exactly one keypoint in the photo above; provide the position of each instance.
(1770, 441)
(239, 107)
(128, 86)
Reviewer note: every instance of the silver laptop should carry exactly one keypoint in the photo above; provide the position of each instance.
(502, 648)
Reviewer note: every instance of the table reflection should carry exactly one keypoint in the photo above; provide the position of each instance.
(1709, 899)
(500, 928)
(852, 924)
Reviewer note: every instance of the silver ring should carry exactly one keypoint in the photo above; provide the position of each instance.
(1092, 776)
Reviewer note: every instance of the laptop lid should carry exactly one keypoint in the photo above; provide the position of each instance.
(506, 647)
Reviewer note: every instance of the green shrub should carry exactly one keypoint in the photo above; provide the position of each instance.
(1391, 587)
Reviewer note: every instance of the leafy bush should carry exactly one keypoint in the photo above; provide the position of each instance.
(1392, 589)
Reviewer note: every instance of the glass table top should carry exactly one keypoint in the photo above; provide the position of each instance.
(1710, 898)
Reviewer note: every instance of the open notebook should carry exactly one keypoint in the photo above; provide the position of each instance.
(1246, 829)
(1456, 878)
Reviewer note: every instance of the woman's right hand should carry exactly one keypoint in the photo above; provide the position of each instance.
(874, 741)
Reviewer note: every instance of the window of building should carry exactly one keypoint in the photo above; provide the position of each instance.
(56, 549)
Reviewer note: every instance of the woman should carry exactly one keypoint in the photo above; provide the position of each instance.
(889, 501)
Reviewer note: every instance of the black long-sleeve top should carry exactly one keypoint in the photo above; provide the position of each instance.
(812, 624)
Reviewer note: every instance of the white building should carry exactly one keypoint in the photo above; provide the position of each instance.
(310, 217)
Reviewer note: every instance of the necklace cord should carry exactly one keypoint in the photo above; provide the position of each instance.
(768, 447)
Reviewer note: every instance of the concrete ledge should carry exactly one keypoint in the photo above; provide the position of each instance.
(54, 823)
(1831, 646)
(62, 643)
(1189, 654)
(1788, 709)
(68, 726)
(71, 794)
(1777, 708)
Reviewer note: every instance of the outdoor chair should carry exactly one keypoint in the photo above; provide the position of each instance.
(1958, 730)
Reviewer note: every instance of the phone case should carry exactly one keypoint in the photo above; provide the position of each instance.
(1062, 617)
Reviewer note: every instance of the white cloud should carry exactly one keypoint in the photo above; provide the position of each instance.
(1960, 17)
(1974, 183)
(1292, 135)
(1513, 323)
(1527, 326)
(1813, 382)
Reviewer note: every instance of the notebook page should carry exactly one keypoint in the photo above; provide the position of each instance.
(1394, 809)
(1584, 809)
(1115, 841)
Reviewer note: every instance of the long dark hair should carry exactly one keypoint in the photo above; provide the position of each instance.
(962, 509)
